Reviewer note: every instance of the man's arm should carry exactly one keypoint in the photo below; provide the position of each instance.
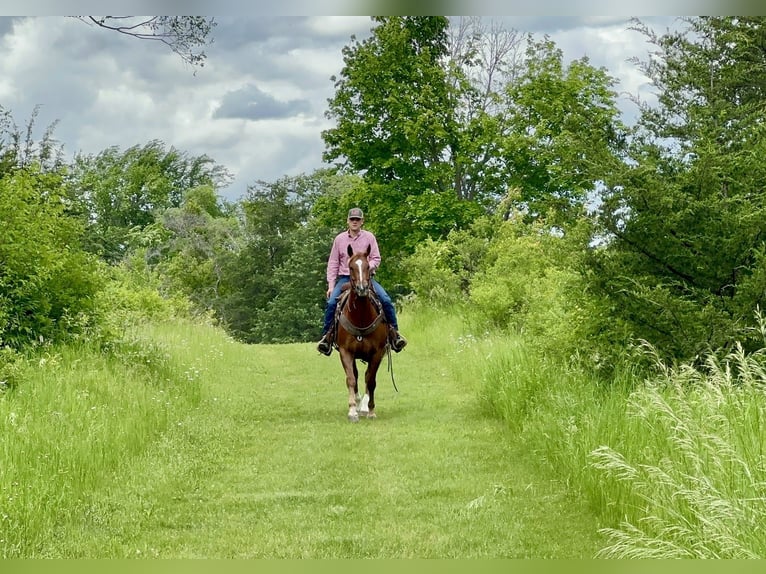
(333, 264)
(374, 257)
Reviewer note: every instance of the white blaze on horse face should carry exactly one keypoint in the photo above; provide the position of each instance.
(359, 265)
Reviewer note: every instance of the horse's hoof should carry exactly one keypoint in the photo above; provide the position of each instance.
(372, 416)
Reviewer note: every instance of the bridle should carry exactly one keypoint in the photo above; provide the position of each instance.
(361, 289)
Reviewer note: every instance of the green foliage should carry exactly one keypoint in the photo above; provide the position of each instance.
(80, 416)
(276, 278)
(133, 295)
(562, 133)
(20, 150)
(437, 155)
(47, 283)
(672, 463)
(117, 193)
(688, 470)
(12, 364)
(532, 284)
(394, 110)
(191, 248)
(391, 103)
(336, 193)
(296, 313)
(684, 218)
(440, 272)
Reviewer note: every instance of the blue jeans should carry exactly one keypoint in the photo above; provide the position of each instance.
(332, 303)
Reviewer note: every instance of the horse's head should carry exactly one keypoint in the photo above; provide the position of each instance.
(359, 272)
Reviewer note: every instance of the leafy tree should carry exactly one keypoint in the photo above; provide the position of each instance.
(394, 108)
(192, 246)
(441, 127)
(272, 214)
(296, 312)
(563, 135)
(440, 272)
(530, 280)
(20, 150)
(684, 217)
(485, 59)
(184, 35)
(118, 192)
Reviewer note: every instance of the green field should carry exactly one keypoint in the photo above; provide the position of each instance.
(233, 451)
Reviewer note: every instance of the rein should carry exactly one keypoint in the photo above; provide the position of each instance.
(359, 332)
(391, 367)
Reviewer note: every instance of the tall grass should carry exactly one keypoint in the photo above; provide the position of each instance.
(77, 414)
(673, 464)
(693, 473)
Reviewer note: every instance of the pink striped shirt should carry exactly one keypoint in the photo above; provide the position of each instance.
(337, 264)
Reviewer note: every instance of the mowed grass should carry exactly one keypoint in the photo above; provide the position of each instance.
(266, 465)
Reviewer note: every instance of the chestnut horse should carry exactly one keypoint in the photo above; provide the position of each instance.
(362, 333)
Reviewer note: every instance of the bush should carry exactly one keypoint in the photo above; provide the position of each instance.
(47, 283)
(532, 284)
(440, 272)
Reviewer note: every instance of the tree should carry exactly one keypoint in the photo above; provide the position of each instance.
(295, 313)
(20, 150)
(276, 217)
(485, 59)
(441, 127)
(394, 109)
(562, 131)
(184, 35)
(685, 265)
(192, 247)
(117, 192)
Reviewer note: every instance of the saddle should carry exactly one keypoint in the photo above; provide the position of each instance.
(341, 319)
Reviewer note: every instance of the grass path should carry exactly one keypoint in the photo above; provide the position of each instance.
(268, 466)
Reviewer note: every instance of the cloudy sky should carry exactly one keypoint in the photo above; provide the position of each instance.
(256, 107)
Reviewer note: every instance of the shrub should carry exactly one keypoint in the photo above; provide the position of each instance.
(47, 282)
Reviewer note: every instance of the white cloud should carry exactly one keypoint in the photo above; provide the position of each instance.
(340, 25)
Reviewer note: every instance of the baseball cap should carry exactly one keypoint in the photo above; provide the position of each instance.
(355, 212)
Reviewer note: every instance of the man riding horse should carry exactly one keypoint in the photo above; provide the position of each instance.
(338, 275)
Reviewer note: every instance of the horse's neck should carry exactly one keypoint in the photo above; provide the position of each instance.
(361, 308)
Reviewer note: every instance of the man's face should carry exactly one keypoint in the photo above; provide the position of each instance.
(355, 222)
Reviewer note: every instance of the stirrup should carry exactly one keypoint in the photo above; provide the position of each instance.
(324, 346)
(398, 342)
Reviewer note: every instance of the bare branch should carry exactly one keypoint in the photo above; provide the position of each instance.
(184, 35)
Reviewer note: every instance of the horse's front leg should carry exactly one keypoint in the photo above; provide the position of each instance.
(356, 383)
(370, 382)
(349, 365)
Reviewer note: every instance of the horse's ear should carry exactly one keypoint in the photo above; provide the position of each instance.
(350, 251)
(369, 248)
